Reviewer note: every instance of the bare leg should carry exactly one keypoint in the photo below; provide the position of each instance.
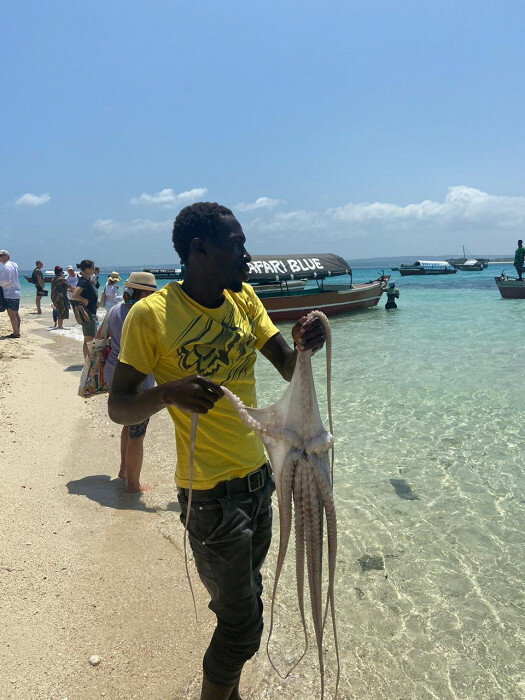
(14, 317)
(123, 447)
(60, 322)
(134, 457)
(38, 307)
(87, 339)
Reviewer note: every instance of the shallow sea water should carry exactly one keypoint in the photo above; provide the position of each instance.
(428, 399)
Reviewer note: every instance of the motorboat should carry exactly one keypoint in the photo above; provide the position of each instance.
(427, 267)
(164, 273)
(49, 275)
(284, 301)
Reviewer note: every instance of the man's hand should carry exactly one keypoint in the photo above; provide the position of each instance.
(308, 335)
(195, 394)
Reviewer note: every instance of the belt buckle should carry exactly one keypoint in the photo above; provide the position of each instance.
(255, 481)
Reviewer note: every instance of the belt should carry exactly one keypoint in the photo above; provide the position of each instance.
(246, 484)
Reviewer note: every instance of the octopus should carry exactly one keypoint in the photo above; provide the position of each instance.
(299, 448)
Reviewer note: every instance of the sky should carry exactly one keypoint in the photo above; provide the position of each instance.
(364, 128)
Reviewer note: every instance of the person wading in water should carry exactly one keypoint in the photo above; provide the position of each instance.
(194, 336)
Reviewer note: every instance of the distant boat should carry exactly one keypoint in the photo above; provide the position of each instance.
(471, 264)
(49, 275)
(427, 267)
(510, 287)
(164, 273)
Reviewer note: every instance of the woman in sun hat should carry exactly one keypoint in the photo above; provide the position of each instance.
(136, 287)
(111, 291)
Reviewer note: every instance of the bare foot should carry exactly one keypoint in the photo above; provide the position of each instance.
(136, 488)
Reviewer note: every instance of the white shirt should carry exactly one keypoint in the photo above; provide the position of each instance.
(9, 280)
(111, 292)
(72, 281)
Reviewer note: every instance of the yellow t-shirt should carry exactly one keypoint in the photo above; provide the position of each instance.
(169, 334)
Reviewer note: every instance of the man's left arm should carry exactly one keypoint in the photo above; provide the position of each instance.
(307, 335)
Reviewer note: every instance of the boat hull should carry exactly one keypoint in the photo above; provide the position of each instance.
(511, 288)
(417, 271)
(47, 279)
(331, 302)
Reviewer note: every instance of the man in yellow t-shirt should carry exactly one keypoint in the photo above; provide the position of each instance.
(194, 336)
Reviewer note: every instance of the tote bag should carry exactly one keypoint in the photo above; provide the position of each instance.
(92, 377)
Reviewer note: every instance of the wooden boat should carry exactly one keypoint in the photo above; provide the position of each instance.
(510, 287)
(471, 264)
(427, 267)
(268, 290)
(48, 276)
(285, 304)
(164, 273)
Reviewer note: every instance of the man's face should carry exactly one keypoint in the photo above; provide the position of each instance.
(3, 258)
(229, 258)
(40, 265)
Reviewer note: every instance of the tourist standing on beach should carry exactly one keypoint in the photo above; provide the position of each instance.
(59, 297)
(37, 278)
(11, 288)
(111, 291)
(71, 279)
(519, 258)
(138, 286)
(195, 336)
(85, 294)
(94, 278)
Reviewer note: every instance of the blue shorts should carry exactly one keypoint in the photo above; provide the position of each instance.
(12, 304)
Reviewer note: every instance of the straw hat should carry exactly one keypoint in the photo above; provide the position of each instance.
(141, 280)
(114, 276)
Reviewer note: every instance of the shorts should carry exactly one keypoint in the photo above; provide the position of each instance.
(41, 292)
(138, 431)
(12, 304)
(90, 327)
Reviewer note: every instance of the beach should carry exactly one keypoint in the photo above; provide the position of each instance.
(428, 489)
(86, 569)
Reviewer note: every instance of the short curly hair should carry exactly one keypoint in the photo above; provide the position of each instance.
(199, 220)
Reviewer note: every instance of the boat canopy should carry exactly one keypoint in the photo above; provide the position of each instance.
(433, 263)
(279, 268)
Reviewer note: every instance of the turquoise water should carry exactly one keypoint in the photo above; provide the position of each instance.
(428, 404)
(431, 394)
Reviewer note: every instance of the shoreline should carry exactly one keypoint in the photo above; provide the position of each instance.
(86, 568)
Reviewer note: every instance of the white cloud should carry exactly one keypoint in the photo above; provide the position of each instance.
(481, 221)
(260, 203)
(168, 199)
(33, 200)
(135, 228)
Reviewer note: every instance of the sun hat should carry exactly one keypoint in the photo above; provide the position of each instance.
(114, 276)
(70, 267)
(4, 252)
(141, 280)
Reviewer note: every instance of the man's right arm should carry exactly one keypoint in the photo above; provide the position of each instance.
(128, 405)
